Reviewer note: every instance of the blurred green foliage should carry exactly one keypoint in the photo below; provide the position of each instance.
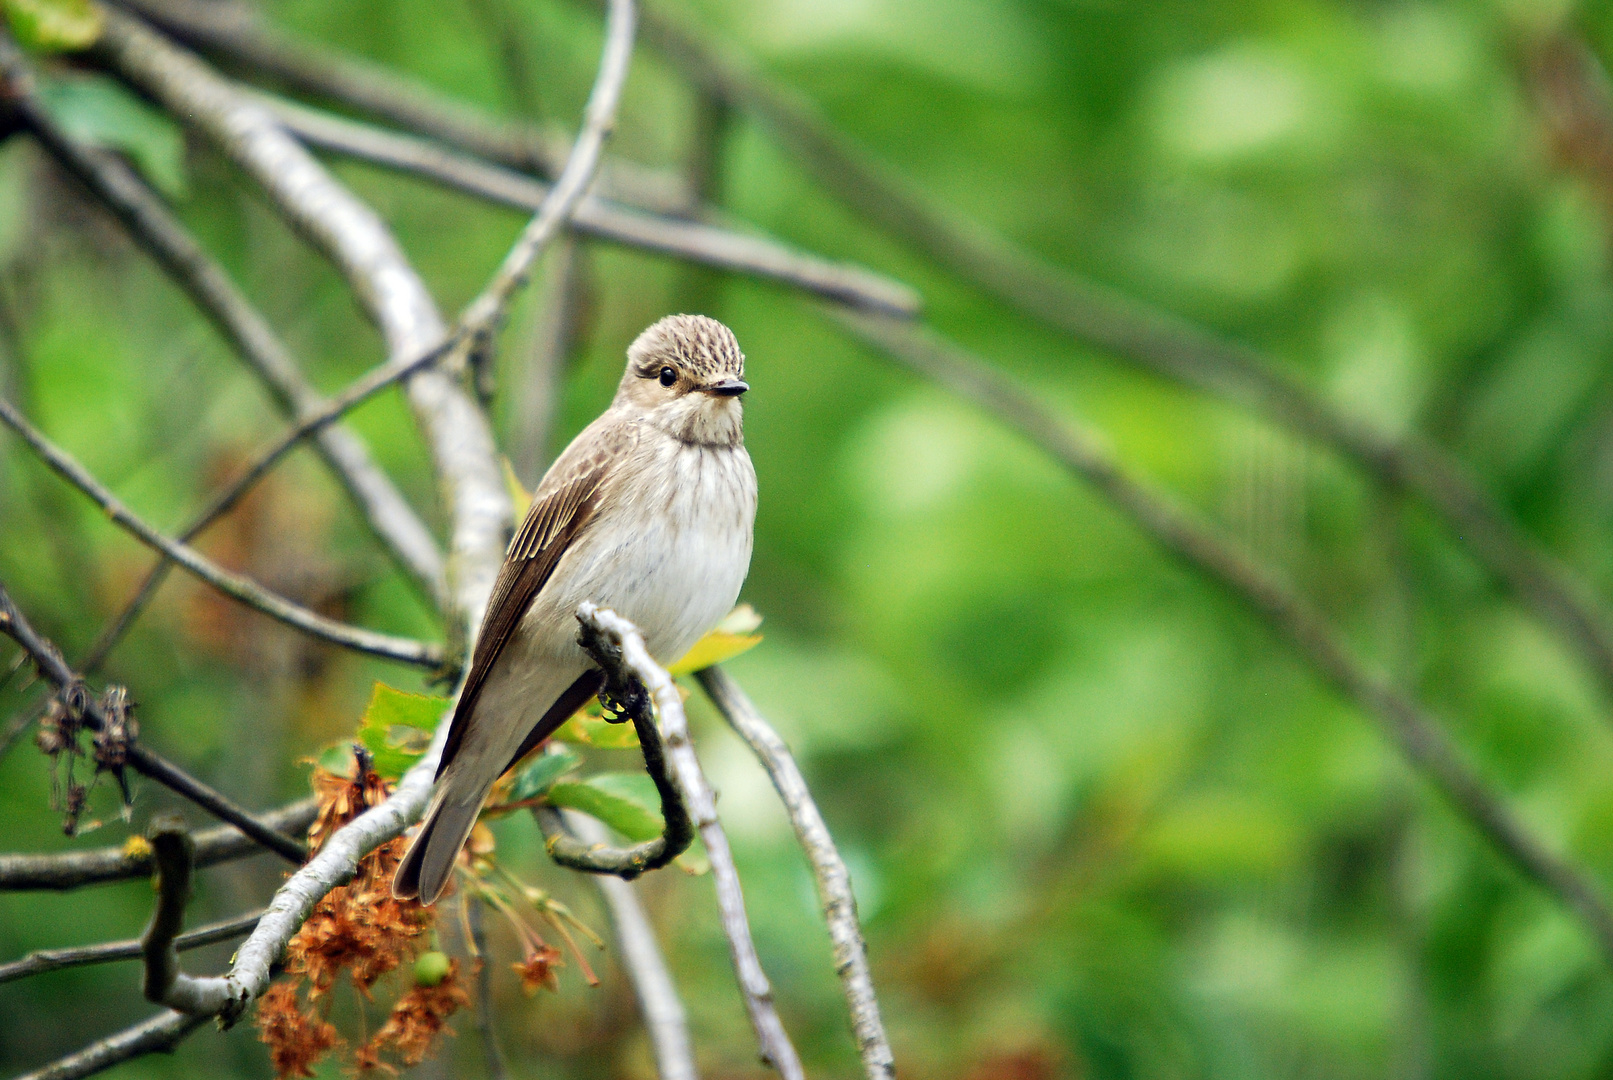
(1101, 823)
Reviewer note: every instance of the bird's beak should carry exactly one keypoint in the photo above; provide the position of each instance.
(727, 388)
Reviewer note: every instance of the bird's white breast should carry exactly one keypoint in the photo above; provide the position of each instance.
(669, 551)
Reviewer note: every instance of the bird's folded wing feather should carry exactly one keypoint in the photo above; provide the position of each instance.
(562, 508)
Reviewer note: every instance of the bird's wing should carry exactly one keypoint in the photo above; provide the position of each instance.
(562, 508)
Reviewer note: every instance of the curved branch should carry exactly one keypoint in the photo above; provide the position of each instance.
(617, 646)
(235, 586)
(598, 857)
(828, 868)
(74, 869)
(173, 858)
(1292, 618)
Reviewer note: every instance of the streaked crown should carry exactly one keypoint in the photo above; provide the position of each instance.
(702, 347)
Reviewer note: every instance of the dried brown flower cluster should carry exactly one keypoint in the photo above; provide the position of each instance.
(359, 929)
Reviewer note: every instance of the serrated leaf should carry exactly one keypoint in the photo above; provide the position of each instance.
(54, 25)
(539, 774)
(397, 727)
(616, 799)
(96, 110)
(519, 495)
(726, 640)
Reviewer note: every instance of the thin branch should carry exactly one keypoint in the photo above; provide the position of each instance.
(236, 586)
(158, 1035)
(558, 327)
(484, 315)
(154, 227)
(74, 869)
(834, 882)
(662, 1009)
(492, 1053)
(615, 644)
(677, 831)
(44, 960)
(367, 255)
(49, 661)
(708, 244)
(1292, 618)
(234, 32)
(1157, 340)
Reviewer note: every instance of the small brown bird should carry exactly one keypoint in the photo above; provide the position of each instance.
(648, 512)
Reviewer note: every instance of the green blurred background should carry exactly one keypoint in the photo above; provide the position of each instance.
(1101, 822)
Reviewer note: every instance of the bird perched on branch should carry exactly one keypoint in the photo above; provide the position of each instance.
(648, 512)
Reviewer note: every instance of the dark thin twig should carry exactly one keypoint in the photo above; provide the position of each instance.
(233, 585)
(1293, 619)
(1157, 340)
(627, 863)
(492, 1052)
(44, 960)
(665, 1021)
(173, 858)
(50, 663)
(68, 870)
(702, 242)
(828, 868)
(158, 1035)
(615, 644)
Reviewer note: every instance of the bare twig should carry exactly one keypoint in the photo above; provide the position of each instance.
(707, 244)
(49, 661)
(615, 644)
(834, 882)
(43, 960)
(484, 315)
(247, 591)
(492, 1052)
(364, 251)
(155, 228)
(1155, 339)
(233, 32)
(559, 324)
(1293, 619)
(75, 869)
(664, 1019)
(596, 857)
(161, 1033)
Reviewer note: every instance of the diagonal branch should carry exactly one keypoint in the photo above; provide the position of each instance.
(247, 591)
(154, 227)
(1154, 339)
(1291, 617)
(158, 1035)
(615, 644)
(694, 241)
(75, 869)
(828, 868)
(43, 960)
(50, 664)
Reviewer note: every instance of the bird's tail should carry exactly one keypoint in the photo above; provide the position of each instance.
(429, 862)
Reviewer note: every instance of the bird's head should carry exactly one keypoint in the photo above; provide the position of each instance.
(685, 375)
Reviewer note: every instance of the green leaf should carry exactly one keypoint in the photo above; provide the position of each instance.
(590, 728)
(54, 25)
(540, 773)
(617, 799)
(398, 726)
(94, 109)
(336, 759)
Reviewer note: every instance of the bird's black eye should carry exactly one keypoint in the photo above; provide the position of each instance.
(668, 376)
